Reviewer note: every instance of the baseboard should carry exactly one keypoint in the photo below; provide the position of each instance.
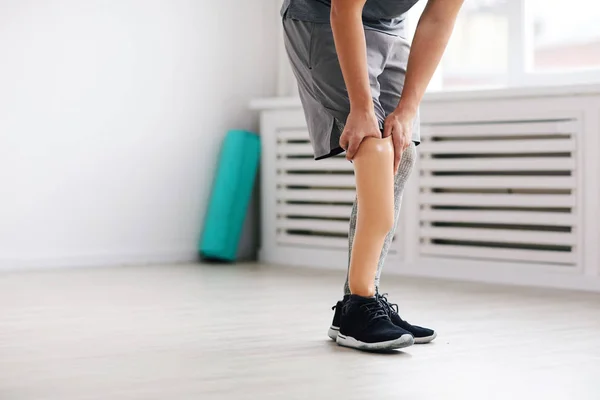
(99, 260)
(451, 269)
(525, 277)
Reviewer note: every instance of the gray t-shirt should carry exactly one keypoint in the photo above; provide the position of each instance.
(381, 15)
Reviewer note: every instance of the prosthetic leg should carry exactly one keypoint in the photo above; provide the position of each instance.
(364, 322)
(374, 172)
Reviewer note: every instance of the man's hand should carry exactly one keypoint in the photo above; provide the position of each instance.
(359, 126)
(399, 125)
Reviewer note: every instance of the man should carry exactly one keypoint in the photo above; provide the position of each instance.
(360, 85)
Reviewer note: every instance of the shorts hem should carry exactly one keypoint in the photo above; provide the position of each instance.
(333, 152)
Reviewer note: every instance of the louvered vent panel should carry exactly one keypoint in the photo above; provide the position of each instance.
(502, 191)
(314, 198)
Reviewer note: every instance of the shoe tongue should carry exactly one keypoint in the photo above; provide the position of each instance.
(360, 299)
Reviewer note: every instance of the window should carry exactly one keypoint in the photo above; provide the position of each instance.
(498, 43)
(477, 53)
(565, 40)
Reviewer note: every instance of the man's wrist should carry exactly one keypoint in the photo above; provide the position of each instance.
(407, 108)
(362, 106)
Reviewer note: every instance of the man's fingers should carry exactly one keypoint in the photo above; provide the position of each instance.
(352, 148)
(397, 157)
(343, 142)
(398, 148)
(387, 129)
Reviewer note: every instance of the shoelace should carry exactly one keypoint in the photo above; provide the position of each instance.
(389, 307)
(374, 310)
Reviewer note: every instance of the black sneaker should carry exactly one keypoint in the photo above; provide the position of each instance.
(421, 335)
(337, 317)
(365, 325)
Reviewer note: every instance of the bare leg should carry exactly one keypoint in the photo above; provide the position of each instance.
(406, 166)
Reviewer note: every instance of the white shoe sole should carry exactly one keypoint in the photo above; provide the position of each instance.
(334, 330)
(401, 342)
(425, 339)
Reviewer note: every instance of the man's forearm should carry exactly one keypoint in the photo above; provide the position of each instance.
(430, 40)
(351, 48)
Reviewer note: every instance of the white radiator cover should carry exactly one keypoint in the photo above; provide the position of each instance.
(506, 189)
(503, 190)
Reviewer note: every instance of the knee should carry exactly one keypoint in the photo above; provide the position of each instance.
(377, 150)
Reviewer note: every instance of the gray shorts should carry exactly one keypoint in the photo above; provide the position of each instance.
(321, 86)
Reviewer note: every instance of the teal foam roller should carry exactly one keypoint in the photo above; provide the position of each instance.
(231, 193)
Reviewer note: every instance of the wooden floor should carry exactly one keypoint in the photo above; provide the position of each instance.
(251, 332)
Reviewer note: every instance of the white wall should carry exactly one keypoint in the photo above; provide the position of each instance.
(111, 117)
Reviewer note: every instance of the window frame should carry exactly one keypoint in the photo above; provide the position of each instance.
(520, 63)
